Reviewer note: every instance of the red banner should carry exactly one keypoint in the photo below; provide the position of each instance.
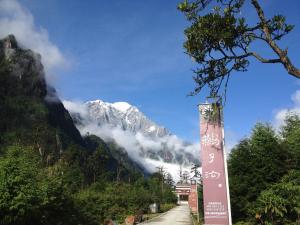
(193, 197)
(214, 171)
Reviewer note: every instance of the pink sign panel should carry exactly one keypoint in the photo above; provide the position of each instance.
(193, 198)
(213, 166)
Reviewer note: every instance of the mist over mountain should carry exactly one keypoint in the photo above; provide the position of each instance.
(147, 143)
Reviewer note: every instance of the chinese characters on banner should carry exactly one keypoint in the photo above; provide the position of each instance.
(215, 192)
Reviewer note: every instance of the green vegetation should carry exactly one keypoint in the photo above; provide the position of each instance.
(264, 175)
(31, 193)
(49, 173)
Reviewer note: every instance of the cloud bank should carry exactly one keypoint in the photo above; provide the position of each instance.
(17, 20)
(138, 146)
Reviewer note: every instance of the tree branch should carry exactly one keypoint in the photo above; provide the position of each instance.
(263, 60)
(284, 59)
(258, 26)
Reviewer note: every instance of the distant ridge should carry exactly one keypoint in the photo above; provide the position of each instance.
(148, 139)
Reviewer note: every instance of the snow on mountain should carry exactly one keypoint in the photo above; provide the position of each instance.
(126, 125)
(125, 116)
(121, 106)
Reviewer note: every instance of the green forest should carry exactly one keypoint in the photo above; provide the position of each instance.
(32, 193)
(264, 175)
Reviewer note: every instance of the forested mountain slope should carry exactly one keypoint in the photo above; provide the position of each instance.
(49, 173)
(32, 115)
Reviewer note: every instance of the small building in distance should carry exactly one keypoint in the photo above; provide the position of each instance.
(187, 194)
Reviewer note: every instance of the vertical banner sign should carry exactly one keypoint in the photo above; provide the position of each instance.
(214, 171)
(193, 197)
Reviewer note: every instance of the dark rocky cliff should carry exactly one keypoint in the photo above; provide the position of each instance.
(32, 115)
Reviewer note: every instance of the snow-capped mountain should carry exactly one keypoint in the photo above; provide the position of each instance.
(125, 116)
(128, 127)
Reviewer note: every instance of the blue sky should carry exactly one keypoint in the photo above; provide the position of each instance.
(132, 51)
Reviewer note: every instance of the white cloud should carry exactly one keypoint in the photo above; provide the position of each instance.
(296, 98)
(231, 139)
(147, 142)
(76, 107)
(281, 114)
(174, 169)
(16, 20)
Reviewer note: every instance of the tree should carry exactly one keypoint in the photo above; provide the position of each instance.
(280, 204)
(96, 163)
(195, 173)
(162, 175)
(228, 47)
(254, 164)
(290, 133)
(30, 194)
(240, 178)
(19, 195)
(169, 180)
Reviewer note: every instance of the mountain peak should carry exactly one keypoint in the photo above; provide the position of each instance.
(121, 106)
(126, 125)
(10, 42)
(124, 115)
(95, 101)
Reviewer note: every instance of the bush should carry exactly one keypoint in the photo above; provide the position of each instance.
(280, 204)
(29, 194)
(167, 206)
